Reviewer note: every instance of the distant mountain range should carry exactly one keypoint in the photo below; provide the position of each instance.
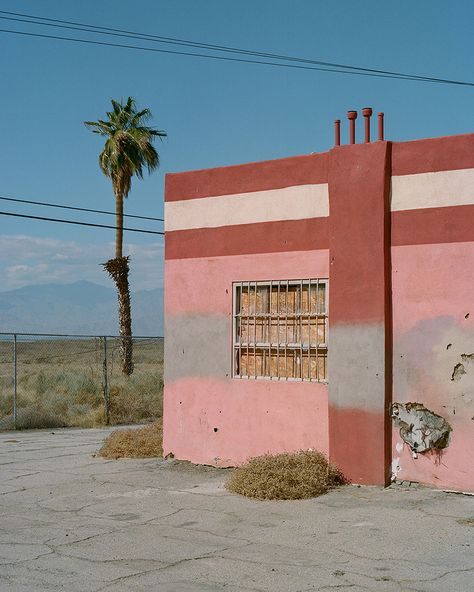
(81, 308)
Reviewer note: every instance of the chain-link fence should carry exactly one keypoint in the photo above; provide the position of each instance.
(50, 381)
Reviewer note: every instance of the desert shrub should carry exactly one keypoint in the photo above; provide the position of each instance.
(146, 442)
(6, 403)
(33, 418)
(297, 475)
(85, 416)
(59, 390)
(77, 386)
(136, 399)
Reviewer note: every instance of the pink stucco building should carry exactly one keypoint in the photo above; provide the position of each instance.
(309, 299)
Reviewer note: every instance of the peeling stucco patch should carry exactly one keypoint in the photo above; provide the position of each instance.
(460, 368)
(458, 371)
(420, 428)
(395, 468)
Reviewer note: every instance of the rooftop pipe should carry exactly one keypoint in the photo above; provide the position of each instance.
(367, 113)
(381, 134)
(352, 116)
(337, 132)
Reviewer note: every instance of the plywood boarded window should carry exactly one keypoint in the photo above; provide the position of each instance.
(280, 330)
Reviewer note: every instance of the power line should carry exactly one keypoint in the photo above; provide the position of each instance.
(222, 58)
(241, 60)
(199, 55)
(79, 223)
(51, 205)
(188, 43)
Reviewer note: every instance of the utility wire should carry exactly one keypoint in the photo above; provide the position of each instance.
(223, 58)
(359, 72)
(79, 223)
(51, 205)
(199, 55)
(222, 48)
(187, 43)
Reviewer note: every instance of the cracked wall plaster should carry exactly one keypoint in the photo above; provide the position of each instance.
(423, 367)
(460, 367)
(420, 428)
(458, 371)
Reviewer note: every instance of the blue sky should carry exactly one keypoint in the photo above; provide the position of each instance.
(215, 113)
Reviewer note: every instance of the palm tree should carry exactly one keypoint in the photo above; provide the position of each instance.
(127, 152)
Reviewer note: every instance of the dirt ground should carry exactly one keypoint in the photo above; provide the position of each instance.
(70, 521)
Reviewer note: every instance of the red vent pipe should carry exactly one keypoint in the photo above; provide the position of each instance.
(352, 116)
(380, 126)
(367, 113)
(337, 132)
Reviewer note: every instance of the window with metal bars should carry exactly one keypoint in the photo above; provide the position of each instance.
(280, 330)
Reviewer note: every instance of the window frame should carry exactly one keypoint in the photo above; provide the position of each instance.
(237, 346)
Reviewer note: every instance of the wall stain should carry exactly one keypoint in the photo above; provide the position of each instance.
(420, 428)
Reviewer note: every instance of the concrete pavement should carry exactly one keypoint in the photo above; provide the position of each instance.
(72, 522)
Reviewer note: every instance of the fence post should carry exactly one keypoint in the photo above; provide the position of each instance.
(106, 384)
(14, 383)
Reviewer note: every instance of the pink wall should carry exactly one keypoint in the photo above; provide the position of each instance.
(226, 422)
(355, 206)
(188, 281)
(210, 417)
(433, 321)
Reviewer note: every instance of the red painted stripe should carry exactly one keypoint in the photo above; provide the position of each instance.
(266, 237)
(434, 154)
(454, 224)
(245, 178)
(410, 227)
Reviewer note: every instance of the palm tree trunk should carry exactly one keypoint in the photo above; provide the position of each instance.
(125, 321)
(119, 224)
(118, 270)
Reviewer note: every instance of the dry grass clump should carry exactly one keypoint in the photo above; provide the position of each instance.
(146, 442)
(28, 419)
(288, 476)
(137, 398)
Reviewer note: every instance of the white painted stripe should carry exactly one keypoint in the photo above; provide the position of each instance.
(290, 203)
(433, 190)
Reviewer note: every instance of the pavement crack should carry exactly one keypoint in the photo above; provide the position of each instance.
(160, 569)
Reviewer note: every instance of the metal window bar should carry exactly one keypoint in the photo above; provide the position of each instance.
(316, 304)
(240, 329)
(309, 329)
(274, 321)
(300, 319)
(270, 319)
(278, 331)
(286, 329)
(248, 328)
(255, 331)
